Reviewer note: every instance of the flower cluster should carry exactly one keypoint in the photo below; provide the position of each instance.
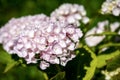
(71, 13)
(40, 38)
(93, 40)
(15, 26)
(109, 75)
(111, 7)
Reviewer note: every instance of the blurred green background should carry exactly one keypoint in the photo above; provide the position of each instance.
(18, 8)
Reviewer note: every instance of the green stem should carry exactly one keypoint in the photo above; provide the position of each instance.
(109, 45)
(104, 33)
(89, 50)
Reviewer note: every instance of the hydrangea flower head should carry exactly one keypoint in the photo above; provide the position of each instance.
(51, 40)
(72, 13)
(111, 7)
(16, 25)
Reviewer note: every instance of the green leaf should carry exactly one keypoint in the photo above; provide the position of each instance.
(102, 58)
(45, 76)
(5, 57)
(90, 70)
(83, 66)
(114, 63)
(10, 66)
(33, 72)
(59, 76)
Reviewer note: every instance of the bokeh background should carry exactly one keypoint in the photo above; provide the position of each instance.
(17, 8)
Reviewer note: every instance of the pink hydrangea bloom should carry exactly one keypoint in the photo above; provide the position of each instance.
(52, 41)
(16, 25)
(72, 13)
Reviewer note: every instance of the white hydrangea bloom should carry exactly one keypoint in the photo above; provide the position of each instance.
(50, 39)
(110, 74)
(44, 65)
(72, 13)
(114, 26)
(111, 7)
(16, 25)
(100, 28)
(94, 40)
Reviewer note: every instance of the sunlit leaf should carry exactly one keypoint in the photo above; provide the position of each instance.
(90, 70)
(101, 59)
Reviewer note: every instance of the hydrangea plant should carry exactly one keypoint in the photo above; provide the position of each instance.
(67, 45)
